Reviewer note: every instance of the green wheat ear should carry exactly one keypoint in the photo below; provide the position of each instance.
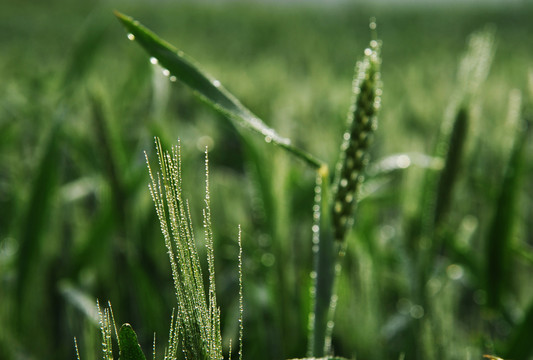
(195, 330)
(362, 122)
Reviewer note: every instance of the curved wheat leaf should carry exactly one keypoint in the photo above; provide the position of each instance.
(209, 89)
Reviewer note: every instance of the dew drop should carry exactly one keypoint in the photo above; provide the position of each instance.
(173, 78)
(131, 36)
(403, 306)
(372, 24)
(349, 198)
(350, 163)
(338, 207)
(454, 271)
(268, 259)
(416, 312)
(343, 220)
(343, 183)
(403, 161)
(216, 83)
(268, 139)
(166, 72)
(368, 51)
(153, 60)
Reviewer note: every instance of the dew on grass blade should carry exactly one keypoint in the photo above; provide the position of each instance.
(204, 142)
(131, 36)
(416, 312)
(403, 161)
(372, 24)
(268, 259)
(165, 72)
(454, 271)
(216, 83)
(403, 306)
(153, 60)
(173, 78)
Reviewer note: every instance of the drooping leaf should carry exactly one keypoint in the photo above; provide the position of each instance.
(183, 68)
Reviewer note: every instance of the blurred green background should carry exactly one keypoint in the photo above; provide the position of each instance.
(79, 105)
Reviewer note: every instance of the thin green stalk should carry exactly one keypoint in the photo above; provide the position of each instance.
(333, 212)
(323, 275)
(452, 166)
(500, 236)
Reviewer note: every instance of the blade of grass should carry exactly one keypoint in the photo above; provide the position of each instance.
(210, 90)
(499, 241)
(450, 172)
(91, 40)
(323, 276)
(128, 344)
(520, 345)
(34, 219)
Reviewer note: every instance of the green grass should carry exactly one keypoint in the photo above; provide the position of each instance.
(79, 104)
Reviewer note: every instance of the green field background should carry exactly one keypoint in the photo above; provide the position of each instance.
(80, 104)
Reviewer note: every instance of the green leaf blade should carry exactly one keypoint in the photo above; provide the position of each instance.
(209, 89)
(128, 344)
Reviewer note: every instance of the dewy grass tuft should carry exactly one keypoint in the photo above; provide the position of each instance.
(197, 325)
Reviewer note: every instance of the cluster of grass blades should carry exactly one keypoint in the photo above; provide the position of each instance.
(195, 327)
